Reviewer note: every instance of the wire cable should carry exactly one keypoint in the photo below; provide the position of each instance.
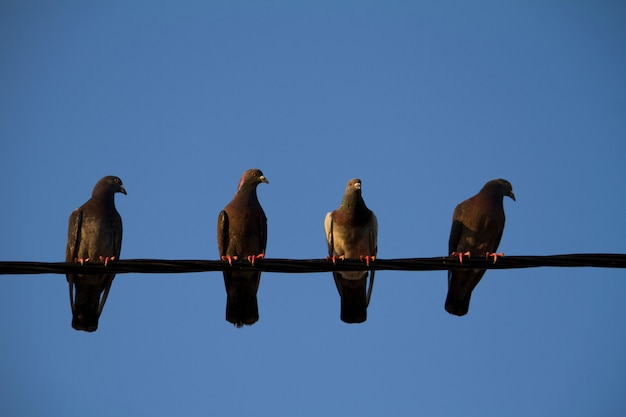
(297, 266)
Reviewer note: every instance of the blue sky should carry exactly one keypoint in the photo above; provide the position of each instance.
(424, 101)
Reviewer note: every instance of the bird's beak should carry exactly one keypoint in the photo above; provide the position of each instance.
(357, 185)
(512, 195)
(263, 179)
(122, 190)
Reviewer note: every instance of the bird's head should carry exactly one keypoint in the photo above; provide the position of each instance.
(252, 177)
(501, 188)
(352, 194)
(354, 185)
(109, 184)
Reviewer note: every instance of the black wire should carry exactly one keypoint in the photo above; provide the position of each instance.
(160, 266)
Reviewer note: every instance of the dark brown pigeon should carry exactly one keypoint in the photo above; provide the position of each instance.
(477, 226)
(352, 232)
(94, 235)
(242, 234)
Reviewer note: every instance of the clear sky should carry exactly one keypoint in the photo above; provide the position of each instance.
(424, 101)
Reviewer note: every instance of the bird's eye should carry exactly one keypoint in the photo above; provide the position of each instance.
(254, 174)
(117, 180)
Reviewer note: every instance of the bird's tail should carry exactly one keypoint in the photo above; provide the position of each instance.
(353, 295)
(459, 306)
(88, 298)
(460, 287)
(241, 302)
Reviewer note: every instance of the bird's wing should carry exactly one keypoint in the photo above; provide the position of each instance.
(222, 232)
(328, 229)
(457, 228)
(373, 235)
(73, 235)
(262, 232)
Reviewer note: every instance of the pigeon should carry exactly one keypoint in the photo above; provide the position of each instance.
(352, 232)
(242, 234)
(477, 226)
(94, 235)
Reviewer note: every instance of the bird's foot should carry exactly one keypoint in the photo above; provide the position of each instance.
(494, 256)
(367, 259)
(107, 259)
(81, 260)
(229, 259)
(252, 258)
(334, 258)
(461, 255)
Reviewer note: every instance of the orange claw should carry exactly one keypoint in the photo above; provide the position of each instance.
(229, 259)
(253, 258)
(461, 255)
(81, 260)
(494, 255)
(367, 259)
(107, 259)
(334, 258)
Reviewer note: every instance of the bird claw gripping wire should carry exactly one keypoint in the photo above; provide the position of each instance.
(494, 256)
(81, 260)
(334, 258)
(229, 259)
(107, 259)
(367, 259)
(460, 255)
(252, 258)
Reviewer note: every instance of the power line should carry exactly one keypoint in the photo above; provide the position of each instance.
(295, 266)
